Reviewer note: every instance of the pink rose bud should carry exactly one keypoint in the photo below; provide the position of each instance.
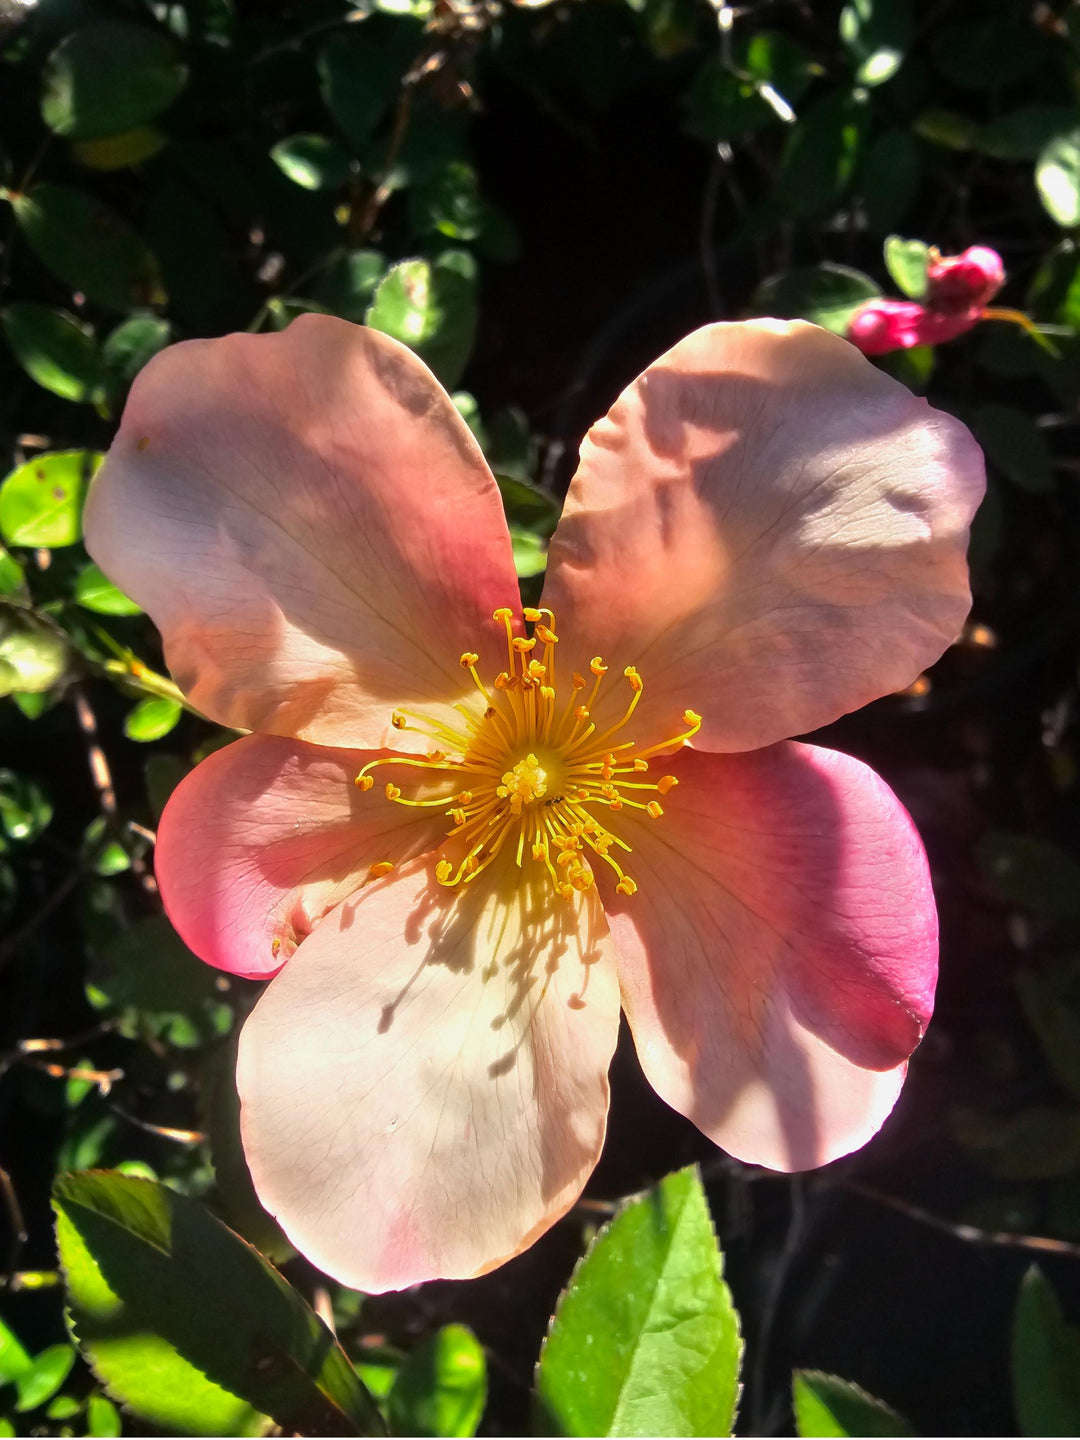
(882, 325)
(960, 282)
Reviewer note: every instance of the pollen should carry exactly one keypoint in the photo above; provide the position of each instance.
(531, 776)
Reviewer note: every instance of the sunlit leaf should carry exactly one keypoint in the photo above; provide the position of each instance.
(431, 307)
(94, 591)
(645, 1339)
(907, 261)
(825, 1405)
(877, 33)
(314, 162)
(826, 294)
(152, 718)
(32, 656)
(1057, 176)
(191, 1327)
(41, 500)
(46, 1373)
(54, 348)
(442, 1386)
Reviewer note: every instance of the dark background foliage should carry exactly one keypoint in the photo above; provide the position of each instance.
(567, 189)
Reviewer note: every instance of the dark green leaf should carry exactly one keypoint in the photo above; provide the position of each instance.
(947, 128)
(431, 307)
(907, 261)
(1023, 133)
(826, 294)
(314, 162)
(1032, 873)
(89, 246)
(827, 1405)
(25, 809)
(118, 152)
(1015, 444)
(889, 179)
(190, 1326)
(527, 506)
(1049, 997)
(766, 78)
(1039, 1143)
(821, 154)
(54, 348)
(41, 500)
(360, 71)
(449, 203)
(1057, 176)
(442, 1386)
(108, 77)
(46, 1374)
(1045, 1361)
(94, 592)
(346, 287)
(645, 1340)
(152, 718)
(133, 343)
(877, 34)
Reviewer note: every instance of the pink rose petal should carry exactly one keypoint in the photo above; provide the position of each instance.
(771, 529)
(310, 524)
(778, 960)
(266, 836)
(424, 1088)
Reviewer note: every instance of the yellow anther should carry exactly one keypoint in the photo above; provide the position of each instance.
(490, 713)
(444, 869)
(457, 815)
(392, 791)
(465, 798)
(523, 644)
(640, 765)
(380, 868)
(633, 676)
(536, 670)
(504, 614)
(579, 681)
(597, 666)
(537, 850)
(468, 659)
(626, 886)
(691, 717)
(655, 809)
(546, 692)
(615, 804)
(666, 783)
(398, 721)
(364, 782)
(546, 635)
(532, 615)
(501, 681)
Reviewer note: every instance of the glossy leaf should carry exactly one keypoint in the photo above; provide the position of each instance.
(431, 307)
(109, 77)
(46, 1373)
(907, 261)
(93, 591)
(188, 1325)
(441, 1388)
(821, 154)
(314, 162)
(14, 1358)
(133, 344)
(827, 1405)
(102, 1416)
(1045, 1361)
(877, 34)
(54, 348)
(41, 500)
(152, 718)
(1057, 176)
(827, 294)
(645, 1339)
(85, 243)
(32, 657)
(25, 809)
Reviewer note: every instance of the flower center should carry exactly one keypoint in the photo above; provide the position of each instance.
(532, 773)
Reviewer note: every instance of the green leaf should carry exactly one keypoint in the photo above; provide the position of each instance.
(645, 1339)
(109, 77)
(315, 162)
(41, 500)
(360, 71)
(63, 1407)
(1057, 176)
(826, 294)
(46, 1374)
(527, 506)
(1050, 1000)
(32, 657)
(827, 1405)
(347, 287)
(152, 718)
(987, 54)
(118, 152)
(102, 1416)
(1023, 133)
(821, 154)
(449, 203)
(94, 592)
(1045, 1361)
(133, 344)
(877, 34)
(1031, 873)
(907, 261)
(770, 73)
(12, 574)
(14, 1358)
(442, 1386)
(431, 307)
(188, 1325)
(25, 809)
(106, 855)
(54, 348)
(89, 246)
(1039, 1143)
(529, 550)
(148, 974)
(947, 128)
(1015, 444)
